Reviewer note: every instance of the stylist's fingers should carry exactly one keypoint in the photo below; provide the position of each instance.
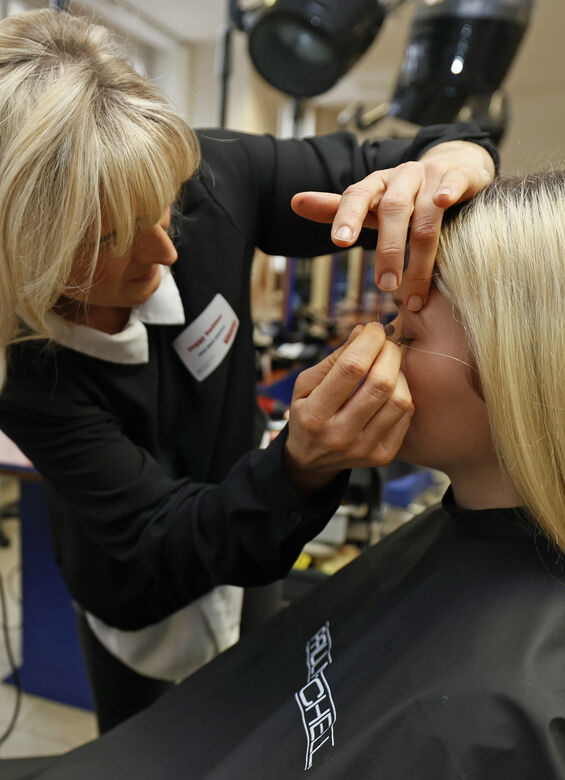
(395, 211)
(311, 377)
(329, 384)
(424, 239)
(379, 440)
(329, 432)
(349, 212)
(441, 188)
(316, 206)
(357, 208)
(460, 184)
(386, 434)
(379, 388)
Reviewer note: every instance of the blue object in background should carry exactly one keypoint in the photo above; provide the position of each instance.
(52, 660)
(402, 491)
(289, 290)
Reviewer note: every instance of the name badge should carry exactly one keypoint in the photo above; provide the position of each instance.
(207, 340)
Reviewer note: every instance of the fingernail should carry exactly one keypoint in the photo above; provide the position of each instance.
(388, 282)
(344, 233)
(415, 303)
(378, 324)
(354, 333)
(444, 191)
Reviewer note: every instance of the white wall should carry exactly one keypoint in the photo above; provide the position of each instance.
(252, 104)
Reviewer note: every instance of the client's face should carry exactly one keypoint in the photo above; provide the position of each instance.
(450, 429)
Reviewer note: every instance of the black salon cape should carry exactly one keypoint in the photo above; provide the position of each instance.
(447, 661)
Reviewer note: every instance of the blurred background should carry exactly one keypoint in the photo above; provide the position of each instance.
(176, 41)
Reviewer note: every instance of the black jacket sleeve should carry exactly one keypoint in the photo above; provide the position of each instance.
(136, 544)
(255, 177)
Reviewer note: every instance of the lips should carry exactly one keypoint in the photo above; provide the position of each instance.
(146, 277)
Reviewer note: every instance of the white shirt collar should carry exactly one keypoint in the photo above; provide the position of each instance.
(130, 345)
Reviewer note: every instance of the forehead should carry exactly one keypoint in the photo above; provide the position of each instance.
(438, 307)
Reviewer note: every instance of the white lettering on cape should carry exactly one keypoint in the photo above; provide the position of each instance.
(315, 698)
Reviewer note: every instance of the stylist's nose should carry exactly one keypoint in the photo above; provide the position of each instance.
(155, 246)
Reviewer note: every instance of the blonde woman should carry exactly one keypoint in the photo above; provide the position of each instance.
(439, 653)
(130, 386)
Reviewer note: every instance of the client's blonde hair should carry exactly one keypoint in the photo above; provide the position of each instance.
(502, 263)
(83, 138)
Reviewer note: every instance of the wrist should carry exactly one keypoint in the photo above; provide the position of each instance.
(306, 481)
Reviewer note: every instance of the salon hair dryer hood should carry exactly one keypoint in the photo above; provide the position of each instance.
(456, 49)
(303, 47)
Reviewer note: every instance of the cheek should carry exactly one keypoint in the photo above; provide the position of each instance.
(450, 422)
(439, 385)
(108, 270)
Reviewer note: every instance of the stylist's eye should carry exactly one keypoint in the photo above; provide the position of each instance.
(106, 241)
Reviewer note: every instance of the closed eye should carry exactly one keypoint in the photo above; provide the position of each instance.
(106, 240)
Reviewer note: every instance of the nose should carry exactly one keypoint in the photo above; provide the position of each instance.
(155, 246)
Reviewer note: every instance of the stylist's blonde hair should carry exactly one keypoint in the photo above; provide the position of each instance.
(83, 138)
(502, 264)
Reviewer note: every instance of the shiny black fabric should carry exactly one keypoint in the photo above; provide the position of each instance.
(447, 662)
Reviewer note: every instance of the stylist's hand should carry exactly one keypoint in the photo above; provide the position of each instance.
(336, 422)
(415, 193)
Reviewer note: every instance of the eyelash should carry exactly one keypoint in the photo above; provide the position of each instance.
(105, 243)
(403, 341)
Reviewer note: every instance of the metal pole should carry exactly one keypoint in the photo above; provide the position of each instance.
(224, 69)
(297, 117)
(235, 14)
(234, 21)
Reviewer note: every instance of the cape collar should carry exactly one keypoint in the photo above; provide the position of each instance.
(502, 523)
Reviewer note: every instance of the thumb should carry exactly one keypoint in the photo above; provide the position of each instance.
(312, 377)
(316, 206)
